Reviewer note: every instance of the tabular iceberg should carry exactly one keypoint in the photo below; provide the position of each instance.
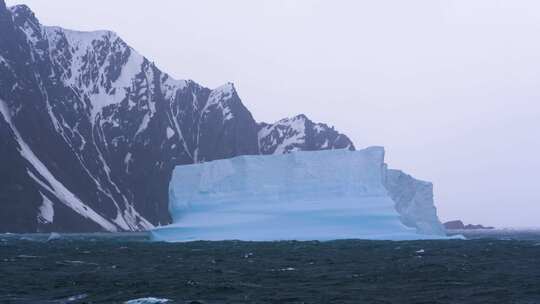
(323, 195)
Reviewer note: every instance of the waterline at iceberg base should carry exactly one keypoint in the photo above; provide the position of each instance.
(322, 195)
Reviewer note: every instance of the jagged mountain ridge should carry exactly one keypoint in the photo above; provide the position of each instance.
(90, 130)
(299, 134)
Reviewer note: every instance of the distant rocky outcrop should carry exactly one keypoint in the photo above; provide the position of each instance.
(458, 225)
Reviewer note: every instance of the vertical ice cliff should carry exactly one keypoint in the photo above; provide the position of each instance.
(414, 202)
(321, 195)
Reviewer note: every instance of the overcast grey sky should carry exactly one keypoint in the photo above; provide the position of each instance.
(450, 88)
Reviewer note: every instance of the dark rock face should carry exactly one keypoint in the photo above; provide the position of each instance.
(90, 130)
(458, 225)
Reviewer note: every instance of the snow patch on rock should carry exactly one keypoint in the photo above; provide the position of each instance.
(61, 192)
(220, 98)
(86, 70)
(46, 211)
(170, 133)
(285, 135)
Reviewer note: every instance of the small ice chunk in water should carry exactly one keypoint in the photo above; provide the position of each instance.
(149, 300)
(54, 236)
(74, 298)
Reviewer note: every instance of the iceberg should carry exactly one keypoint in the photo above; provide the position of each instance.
(321, 195)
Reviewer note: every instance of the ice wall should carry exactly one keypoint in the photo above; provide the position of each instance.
(414, 202)
(323, 195)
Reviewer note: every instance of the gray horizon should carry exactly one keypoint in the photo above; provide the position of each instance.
(451, 89)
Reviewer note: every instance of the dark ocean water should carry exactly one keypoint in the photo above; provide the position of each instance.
(489, 267)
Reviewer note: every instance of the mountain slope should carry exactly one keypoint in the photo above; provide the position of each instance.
(90, 130)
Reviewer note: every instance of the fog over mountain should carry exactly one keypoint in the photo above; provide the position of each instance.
(450, 88)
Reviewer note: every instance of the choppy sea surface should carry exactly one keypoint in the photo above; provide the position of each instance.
(496, 266)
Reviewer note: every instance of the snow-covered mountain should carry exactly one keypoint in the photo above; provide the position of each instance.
(299, 134)
(90, 130)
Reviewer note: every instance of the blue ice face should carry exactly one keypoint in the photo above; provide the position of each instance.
(322, 195)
